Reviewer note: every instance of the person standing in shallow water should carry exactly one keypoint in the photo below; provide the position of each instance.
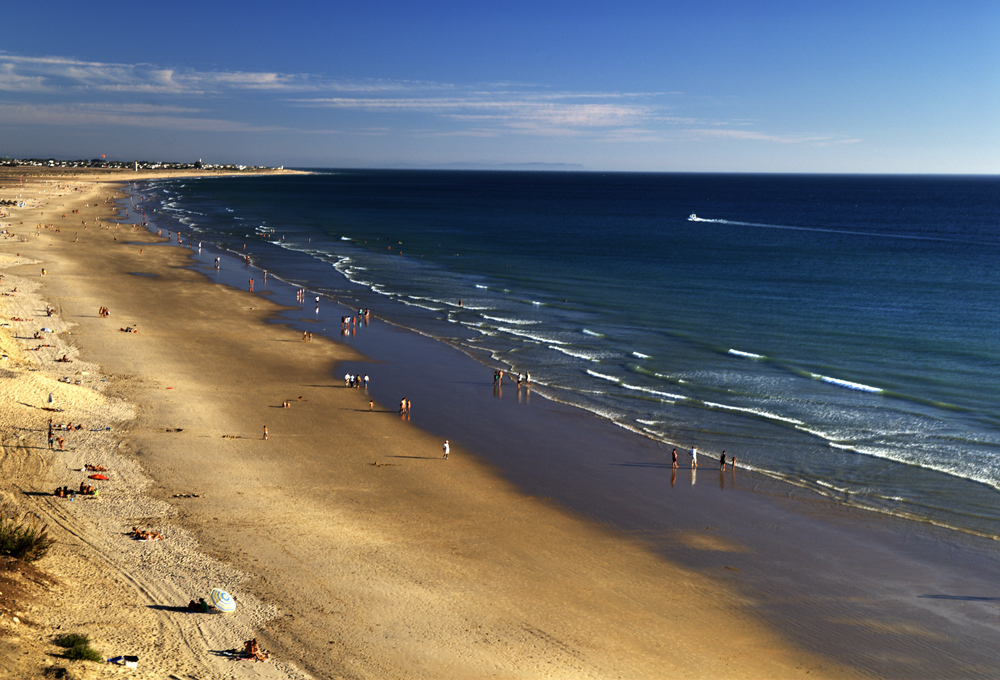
(722, 462)
(694, 456)
(447, 449)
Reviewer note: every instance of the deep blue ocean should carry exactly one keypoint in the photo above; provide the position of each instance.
(838, 333)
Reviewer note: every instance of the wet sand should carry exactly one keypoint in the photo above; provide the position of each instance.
(379, 559)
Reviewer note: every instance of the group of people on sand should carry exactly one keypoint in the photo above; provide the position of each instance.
(355, 381)
(145, 535)
(252, 650)
(522, 378)
(104, 312)
(129, 329)
(200, 606)
(85, 490)
(68, 427)
(404, 407)
(351, 319)
(694, 459)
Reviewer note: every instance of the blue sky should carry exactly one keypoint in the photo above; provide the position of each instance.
(669, 86)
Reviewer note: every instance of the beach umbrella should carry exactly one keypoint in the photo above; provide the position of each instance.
(222, 600)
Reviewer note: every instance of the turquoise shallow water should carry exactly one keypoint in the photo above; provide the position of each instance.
(836, 333)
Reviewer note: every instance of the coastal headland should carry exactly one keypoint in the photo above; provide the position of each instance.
(352, 548)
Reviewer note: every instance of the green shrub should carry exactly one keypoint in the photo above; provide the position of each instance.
(24, 540)
(83, 653)
(72, 640)
(78, 648)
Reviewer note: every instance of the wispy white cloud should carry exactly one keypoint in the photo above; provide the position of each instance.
(444, 109)
(524, 112)
(751, 135)
(114, 115)
(63, 74)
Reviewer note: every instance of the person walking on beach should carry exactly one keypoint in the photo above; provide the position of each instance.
(447, 449)
(674, 461)
(366, 381)
(694, 456)
(722, 462)
(265, 432)
(402, 406)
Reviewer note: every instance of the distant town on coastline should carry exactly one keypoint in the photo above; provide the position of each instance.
(128, 165)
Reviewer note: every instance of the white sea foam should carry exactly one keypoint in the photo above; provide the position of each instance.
(640, 355)
(839, 489)
(346, 238)
(609, 378)
(479, 285)
(417, 304)
(578, 355)
(847, 383)
(529, 336)
(516, 322)
(658, 393)
(748, 355)
(761, 413)
(587, 331)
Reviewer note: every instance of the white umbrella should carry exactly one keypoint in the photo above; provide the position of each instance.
(222, 600)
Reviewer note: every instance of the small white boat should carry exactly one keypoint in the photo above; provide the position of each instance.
(692, 218)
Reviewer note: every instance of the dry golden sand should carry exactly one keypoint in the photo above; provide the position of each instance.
(420, 568)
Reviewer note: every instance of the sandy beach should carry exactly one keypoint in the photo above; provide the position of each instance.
(352, 548)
